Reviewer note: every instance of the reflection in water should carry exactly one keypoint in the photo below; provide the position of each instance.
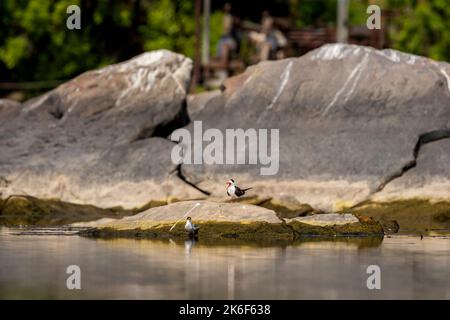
(230, 280)
(188, 244)
(34, 267)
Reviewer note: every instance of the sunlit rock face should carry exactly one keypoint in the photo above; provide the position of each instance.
(352, 121)
(100, 138)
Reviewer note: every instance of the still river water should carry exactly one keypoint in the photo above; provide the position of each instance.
(34, 267)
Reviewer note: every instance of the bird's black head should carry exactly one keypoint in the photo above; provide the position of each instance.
(189, 218)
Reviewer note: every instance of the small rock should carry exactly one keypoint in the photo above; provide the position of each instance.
(390, 226)
(329, 219)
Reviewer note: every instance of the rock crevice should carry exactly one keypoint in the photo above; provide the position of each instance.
(179, 173)
(423, 139)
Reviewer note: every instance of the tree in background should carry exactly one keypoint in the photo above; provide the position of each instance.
(323, 12)
(422, 27)
(169, 25)
(36, 45)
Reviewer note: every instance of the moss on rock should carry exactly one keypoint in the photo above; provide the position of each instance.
(364, 227)
(152, 204)
(390, 226)
(27, 210)
(255, 231)
(208, 230)
(138, 234)
(286, 212)
(412, 215)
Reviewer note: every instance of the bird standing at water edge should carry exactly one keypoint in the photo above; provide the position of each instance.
(191, 228)
(233, 190)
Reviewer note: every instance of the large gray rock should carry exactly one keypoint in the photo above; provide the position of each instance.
(227, 220)
(354, 123)
(101, 137)
(196, 102)
(8, 109)
(351, 120)
(200, 211)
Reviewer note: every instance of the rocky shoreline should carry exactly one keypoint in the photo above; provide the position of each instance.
(362, 131)
(413, 216)
(218, 220)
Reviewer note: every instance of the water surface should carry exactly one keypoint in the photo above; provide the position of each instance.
(34, 266)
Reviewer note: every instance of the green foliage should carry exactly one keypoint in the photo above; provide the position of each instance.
(323, 12)
(419, 26)
(357, 12)
(319, 12)
(170, 25)
(36, 45)
(14, 50)
(422, 27)
(413, 215)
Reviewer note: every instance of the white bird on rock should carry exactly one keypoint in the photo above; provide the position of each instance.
(233, 190)
(191, 228)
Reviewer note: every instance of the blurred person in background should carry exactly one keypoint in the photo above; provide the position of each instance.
(228, 44)
(269, 40)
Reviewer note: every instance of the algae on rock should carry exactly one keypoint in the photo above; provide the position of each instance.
(412, 215)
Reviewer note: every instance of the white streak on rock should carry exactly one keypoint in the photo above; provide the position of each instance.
(284, 80)
(248, 79)
(140, 81)
(390, 55)
(338, 51)
(143, 60)
(443, 72)
(412, 59)
(183, 75)
(358, 76)
(346, 84)
(329, 52)
(36, 104)
(177, 81)
(398, 56)
(446, 76)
